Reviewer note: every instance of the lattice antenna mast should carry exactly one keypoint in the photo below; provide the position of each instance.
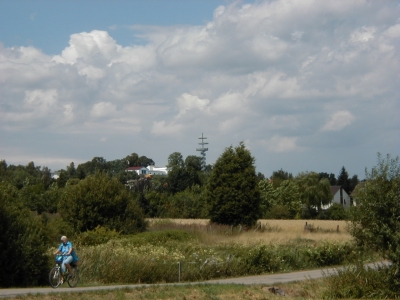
(202, 151)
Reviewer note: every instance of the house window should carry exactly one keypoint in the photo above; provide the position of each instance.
(143, 171)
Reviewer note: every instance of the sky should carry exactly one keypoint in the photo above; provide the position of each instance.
(306, 85)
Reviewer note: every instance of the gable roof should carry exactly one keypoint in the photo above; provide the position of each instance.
(335, 188)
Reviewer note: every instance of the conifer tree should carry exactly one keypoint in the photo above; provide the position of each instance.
(232, 193)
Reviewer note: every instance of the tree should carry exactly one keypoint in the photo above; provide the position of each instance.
(183, 174)
(343, 180)
(287, 194)
(278, 176)
(331, 177)
(314, 192)
(101, 200)
(232, 192)
(375, 220)
(268, 199)
(175, 160)
(22, 247)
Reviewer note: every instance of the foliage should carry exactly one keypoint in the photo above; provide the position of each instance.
(314, 192)
(279, 212)
(279, 176)
(101, 200)
(233, 194)
(189, 204)
(331, 177)
(376, 218)
(154, 257)
(287, 194)
(183, 174)
(22, 247)
(334, 212)
(356, 282)
(99, 235)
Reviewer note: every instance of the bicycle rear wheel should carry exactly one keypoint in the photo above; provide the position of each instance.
(73, 278)
(55, 277)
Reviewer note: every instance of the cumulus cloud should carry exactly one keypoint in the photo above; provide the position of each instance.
(103, 109)
(339, 120)
(281, 144)
(265, 72)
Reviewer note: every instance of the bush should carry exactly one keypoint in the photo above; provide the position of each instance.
(22, 246)
(334, 212)
(101, 201)
(99, 235)
(279, 212)
(356, 282)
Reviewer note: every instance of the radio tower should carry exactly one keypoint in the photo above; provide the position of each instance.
(202, 151)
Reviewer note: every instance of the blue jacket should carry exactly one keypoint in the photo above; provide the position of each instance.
(64, 248)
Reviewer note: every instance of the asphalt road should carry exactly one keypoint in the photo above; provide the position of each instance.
(269, 280)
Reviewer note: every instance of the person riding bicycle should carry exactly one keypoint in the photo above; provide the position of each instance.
(68, 251)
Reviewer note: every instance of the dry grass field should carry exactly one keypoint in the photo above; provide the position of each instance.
(276, 231)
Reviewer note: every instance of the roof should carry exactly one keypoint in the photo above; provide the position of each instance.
(334, 189)
(134, 168)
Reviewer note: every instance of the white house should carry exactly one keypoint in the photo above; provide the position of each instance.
(339, 196)
(150, 170)
(157, 171)
(138, 170)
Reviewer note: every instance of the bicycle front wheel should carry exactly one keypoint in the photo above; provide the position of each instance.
(73, 278)
(55, 277)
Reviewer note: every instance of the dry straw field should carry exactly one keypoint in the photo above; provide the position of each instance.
(275, 231)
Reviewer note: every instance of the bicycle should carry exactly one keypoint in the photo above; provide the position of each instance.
(56, 274)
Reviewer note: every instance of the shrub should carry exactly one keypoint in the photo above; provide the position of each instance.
(354, 282)
(99, 235)
(100, 200)
(22, 248)
(334, 212)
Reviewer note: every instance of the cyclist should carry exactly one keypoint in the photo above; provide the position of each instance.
(68, 251)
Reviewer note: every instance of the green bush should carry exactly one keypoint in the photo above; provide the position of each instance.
(99, 235)
(279, 212)
(99, 200)
(355, 282)
(334, 212)
(22, 244)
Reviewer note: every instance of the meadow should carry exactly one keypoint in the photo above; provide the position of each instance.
(182, 250)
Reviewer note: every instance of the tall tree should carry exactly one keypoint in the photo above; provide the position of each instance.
(376, 217)
(232, 193)
(343, 180)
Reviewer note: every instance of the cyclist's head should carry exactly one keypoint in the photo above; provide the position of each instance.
(64, 239)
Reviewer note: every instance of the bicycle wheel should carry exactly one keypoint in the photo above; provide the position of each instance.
(73, 278)
(55, 277)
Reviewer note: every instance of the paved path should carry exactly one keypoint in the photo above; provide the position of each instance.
(270, 279)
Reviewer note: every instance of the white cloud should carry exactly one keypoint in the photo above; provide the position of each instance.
(339, 120)
(162, 129)
(103, 109)
(281, 144)
(187, 102)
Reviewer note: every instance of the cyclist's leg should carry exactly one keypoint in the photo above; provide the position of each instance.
(67, 263)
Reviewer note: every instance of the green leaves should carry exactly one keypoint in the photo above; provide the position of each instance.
(233, 193)
(101, 200)
(376, 218)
